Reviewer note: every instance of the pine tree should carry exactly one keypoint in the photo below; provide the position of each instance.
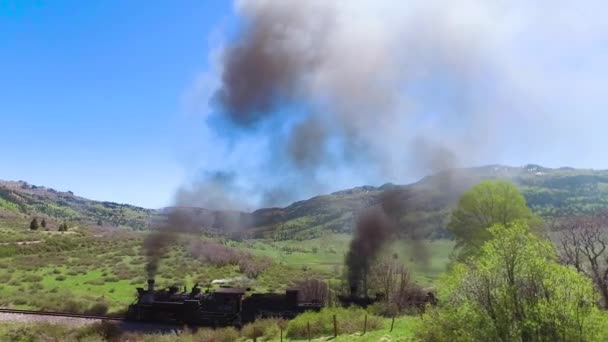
(63, 227)
(34, 224)
(43, 223)
(99, 222)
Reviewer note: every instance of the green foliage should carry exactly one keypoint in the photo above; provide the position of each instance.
(264, 329)
(515, 290)
(487, 203)
(350, 320)
(34, 224)
(8, 205)
(99, 308)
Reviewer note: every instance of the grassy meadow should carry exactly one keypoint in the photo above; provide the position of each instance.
(98, 269)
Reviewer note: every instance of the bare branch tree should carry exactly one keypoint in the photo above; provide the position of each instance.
(313, 291)
(582, 243)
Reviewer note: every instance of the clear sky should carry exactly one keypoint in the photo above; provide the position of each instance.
(90, 92)
(110, 98)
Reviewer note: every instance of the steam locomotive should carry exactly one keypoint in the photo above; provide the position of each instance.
(225, 306)
(230, 306)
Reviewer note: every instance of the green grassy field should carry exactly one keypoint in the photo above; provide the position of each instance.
(326, 254)
(77, 269)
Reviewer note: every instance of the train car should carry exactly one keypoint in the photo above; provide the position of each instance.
(225, 306)
(266, 305)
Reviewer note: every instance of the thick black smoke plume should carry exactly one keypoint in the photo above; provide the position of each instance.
(376, 226)
(165, 234)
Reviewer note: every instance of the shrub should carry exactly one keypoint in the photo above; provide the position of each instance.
(99, 308)
(267, 328)
(69, 305)
(110, 279)
(73, 272)
(514, 290)
(350, 320)
(60, 278)
(108, 330)
(19, 301)
(97, 281)
(31, 278)
(36, 287)
(216, 335)
(34, 224)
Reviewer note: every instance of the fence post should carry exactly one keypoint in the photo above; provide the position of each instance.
(365, 325)
(335, 327)
(308, 330)
(392, 323)
(281, 328)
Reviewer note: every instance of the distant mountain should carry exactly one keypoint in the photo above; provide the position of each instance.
(549, 192)
(20, 201)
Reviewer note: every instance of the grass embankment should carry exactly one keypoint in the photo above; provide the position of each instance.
(350, 328)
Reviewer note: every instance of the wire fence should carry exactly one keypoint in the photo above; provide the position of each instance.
(336, 330)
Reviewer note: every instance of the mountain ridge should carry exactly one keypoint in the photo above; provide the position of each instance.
(550, 192)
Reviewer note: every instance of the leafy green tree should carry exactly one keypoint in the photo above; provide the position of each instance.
(487, 203)
(514, 290)
(34, 224)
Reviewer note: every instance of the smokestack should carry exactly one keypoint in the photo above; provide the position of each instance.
(150, 285)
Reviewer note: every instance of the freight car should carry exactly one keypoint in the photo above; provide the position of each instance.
(225, 306)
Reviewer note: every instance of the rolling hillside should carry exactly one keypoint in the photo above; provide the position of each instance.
(20, 201)
(550, 193)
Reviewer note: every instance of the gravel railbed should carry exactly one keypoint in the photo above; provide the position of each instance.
(31, 318)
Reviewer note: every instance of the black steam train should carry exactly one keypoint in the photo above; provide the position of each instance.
(225, 306)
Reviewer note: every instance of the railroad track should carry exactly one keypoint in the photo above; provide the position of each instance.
(60, 314)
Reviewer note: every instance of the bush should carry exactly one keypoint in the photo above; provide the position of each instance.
(268, 328)
(69, 305)
(60, 278)
(108, 330)
(19, 301)
(99, 309)
(350, 320)
(110, 279)
(31, 278)
(95, 282)
(216, 335)
(514, 290)
(35, 287)
(14, 282)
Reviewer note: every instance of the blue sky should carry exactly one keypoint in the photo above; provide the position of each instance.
(110, 99)
(90, 92)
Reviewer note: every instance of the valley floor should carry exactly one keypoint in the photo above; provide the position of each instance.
(98, 269)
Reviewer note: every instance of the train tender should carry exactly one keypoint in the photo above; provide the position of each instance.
(225, 306)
